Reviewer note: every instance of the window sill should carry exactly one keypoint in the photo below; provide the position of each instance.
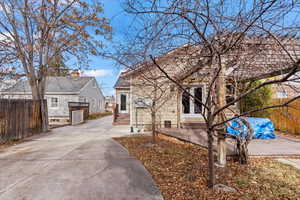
(191, 115)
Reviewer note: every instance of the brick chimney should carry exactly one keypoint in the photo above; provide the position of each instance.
(75, 73)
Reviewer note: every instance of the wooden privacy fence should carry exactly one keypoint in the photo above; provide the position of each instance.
(286, 119)
(19, 118)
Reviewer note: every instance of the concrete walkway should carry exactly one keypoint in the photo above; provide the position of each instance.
(75, 163)
(281, 146)
(294, 162)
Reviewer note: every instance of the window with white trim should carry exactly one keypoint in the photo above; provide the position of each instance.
(230, 93)
(191, 105)
(54, 102)
(82, 99)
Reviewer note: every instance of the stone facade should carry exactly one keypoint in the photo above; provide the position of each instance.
(167, 111)
(171, 109)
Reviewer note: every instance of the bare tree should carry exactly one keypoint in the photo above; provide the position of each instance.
(227, 43)
(33, 33)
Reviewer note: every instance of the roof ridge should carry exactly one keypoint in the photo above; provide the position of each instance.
(59, 84)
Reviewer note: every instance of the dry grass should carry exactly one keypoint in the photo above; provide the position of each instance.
(180, 172)
(99, 115)
(4, 145)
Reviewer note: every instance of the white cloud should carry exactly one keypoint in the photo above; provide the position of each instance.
(96, 72)
(111, 92)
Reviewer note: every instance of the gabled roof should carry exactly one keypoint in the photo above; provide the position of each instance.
(5, 84)
(122, 82)
(53, 85)
(253, 58)
(178, 52)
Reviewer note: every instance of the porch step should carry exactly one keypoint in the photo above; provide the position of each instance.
(193, 125)
(121, 123)
(122, 119)
(120, 115)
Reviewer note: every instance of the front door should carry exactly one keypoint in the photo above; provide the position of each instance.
(123, 103)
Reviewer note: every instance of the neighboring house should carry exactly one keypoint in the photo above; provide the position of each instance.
(59, 92)
(179, 109)
(5, 84)
(285, 91)
(109, 103)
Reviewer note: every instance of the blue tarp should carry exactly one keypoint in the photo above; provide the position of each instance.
(263, 128)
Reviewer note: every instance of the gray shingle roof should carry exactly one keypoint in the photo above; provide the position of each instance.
(122, 83)
(54, 84)
(5, 84)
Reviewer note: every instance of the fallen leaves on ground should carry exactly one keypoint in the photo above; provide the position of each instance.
(180, 172)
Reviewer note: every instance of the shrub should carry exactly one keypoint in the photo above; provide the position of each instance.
(257, 99)
(99, 115)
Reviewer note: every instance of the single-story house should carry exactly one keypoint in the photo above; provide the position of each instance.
(288, 90)
(59, 92)
(5, 84)
(177, 109)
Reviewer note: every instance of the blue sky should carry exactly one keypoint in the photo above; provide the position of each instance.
(106, 70)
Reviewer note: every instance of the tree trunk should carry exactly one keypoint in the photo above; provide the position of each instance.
(44, 109)
(221, 99)
(221, 149)
(242, 151)
(153, 114)
(38, 91)
(210, 140)
(211, 166)
(34, 88)
(153, 127)
(242, 142)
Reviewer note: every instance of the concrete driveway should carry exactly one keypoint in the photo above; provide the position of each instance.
(76, 162)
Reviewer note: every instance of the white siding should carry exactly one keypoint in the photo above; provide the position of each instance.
(62, 110)
(93, 94)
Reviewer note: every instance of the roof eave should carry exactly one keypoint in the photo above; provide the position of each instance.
(47, 93)
(128, 87)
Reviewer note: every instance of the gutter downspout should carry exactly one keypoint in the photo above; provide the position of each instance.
(131, 105)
